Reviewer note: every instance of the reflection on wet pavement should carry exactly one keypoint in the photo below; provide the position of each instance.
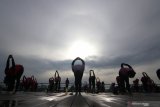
(29, 99)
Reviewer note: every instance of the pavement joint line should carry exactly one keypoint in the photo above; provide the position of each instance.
(73, 100)
(86, 101)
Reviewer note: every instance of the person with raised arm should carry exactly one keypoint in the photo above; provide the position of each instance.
(51, 84)
(125, 73)
(78, 73)
(13, 73)
(57, 81)
(136, 85)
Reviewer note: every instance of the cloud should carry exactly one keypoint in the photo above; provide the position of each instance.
(40, 33)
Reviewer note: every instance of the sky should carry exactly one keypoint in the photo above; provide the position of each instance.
(47, 35)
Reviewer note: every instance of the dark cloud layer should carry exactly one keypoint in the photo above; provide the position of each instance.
(39, 33)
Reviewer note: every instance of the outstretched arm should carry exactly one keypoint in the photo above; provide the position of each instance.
(32, 77)
(93, 72)
(73, 63)
(78, 58)
(55, 74)
(90, 73)
(13, 62)
(128, 65)
(122, 65)
(7, 64)
(24, 78)
(83, 63)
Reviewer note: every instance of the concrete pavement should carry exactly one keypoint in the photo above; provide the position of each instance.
(42, 99)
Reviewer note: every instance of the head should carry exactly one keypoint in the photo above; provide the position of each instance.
(10, 56)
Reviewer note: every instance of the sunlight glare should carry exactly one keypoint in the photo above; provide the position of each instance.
(81, 49)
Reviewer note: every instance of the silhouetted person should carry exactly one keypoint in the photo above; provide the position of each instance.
(98, 84)
(34, 84)
(124, 74)
(51, 84)
(113, 88)
(145, 82)
(67, 83)
(148, 83)
(136, 85)
(92, 79)
(102, 87)
(120, 83)
(13, 73)
(29, 83)
(57, 81)
(78, 73)
(26, 83)
(158, 73)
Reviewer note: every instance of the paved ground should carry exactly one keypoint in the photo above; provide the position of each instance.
(37, 99)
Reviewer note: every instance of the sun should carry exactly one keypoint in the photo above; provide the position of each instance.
(81, 49)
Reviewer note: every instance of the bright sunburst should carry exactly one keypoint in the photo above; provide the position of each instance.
(81, 49)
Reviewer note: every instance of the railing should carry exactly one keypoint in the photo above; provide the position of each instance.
(44, 86)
